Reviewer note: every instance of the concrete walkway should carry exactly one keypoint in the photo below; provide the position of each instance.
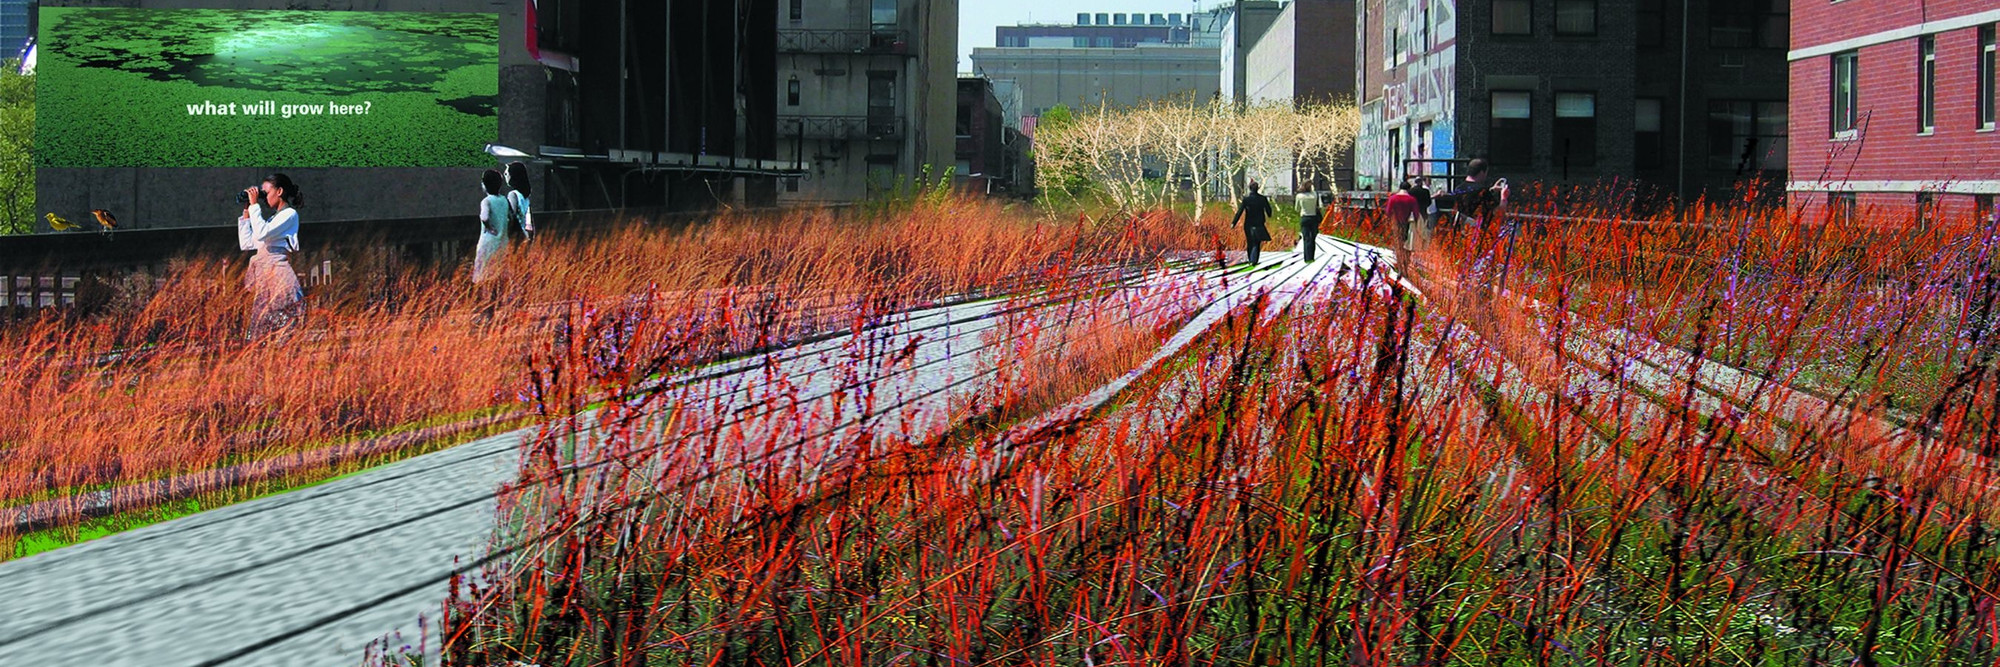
(310, 577)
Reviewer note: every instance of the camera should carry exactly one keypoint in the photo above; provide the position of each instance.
(243, 197)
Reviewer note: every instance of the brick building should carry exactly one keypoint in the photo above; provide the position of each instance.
(989, 151)
(1680, 98)
(1894, 107)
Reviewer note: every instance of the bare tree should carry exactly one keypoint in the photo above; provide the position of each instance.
(1107, 150)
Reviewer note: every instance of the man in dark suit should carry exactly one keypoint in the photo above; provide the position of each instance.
(1253, 212)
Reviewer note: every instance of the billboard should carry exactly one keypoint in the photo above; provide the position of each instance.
(123, 87)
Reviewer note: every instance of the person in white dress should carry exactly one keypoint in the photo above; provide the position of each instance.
(270, 226)
(494, 219)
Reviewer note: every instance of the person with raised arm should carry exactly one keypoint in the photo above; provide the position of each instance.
(270, 226)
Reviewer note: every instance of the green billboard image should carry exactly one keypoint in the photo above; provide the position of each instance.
(251, 88)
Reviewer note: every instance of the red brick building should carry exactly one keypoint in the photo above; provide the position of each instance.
(1894, 107)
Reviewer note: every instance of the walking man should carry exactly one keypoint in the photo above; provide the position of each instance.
(1420, 235)
(1309, 217)
(1253, 212)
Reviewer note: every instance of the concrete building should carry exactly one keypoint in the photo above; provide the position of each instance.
(1086, 77)
(1682, 99)
(1245, 23)
(868, 90)
(1100, 30)
(14, 27)
(1894, 105)
(1306, 56)
(1101, 59)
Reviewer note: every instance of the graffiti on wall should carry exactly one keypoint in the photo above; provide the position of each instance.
(1370, 148)
(1417, 115)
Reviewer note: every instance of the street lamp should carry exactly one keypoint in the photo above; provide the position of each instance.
(504, 152)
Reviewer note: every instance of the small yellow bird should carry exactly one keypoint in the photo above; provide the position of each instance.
(105, 218)
(57, 223)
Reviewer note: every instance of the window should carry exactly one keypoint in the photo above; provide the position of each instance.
(1926, 84)
(1982, 208)
(798, 14)
(1846, 76)
(1840, 207)
(1513, 17)
(1423, 44)
(881, 103)
(1512, 132)
(965, 121)
(1652, 20)
(1576, 17)
(1986, 75)
(792, 92)
(1926, 210)
(1576, 130)
(1080, 42)
(1746, 136)
(792, 184)
(1749, 24)
(883, 14)
(1646, 134)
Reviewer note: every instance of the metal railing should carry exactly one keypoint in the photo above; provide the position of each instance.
(840, 127)
(49, 269)
(888, 42)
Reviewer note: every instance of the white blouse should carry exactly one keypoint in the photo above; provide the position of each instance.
(279, 233)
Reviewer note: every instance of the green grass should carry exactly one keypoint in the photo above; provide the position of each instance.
(62, 536)
(118, 83)
(56, 538)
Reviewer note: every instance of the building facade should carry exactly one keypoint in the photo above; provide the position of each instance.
(1244, 25)
(14, 27)
(1100, 30)
(1306, 56)
(1895, 105)
(990, 152)
(1085, 78)
(867, 91)
(1104, 58)
(1657, 98)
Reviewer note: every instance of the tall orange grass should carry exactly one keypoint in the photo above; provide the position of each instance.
(164, 383)
(1615, 443)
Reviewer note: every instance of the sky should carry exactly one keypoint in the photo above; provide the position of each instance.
(978, 18)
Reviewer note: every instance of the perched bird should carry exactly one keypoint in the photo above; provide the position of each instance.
(57, 223)
(105, 218)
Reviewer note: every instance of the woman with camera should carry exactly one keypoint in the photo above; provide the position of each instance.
(270, 225)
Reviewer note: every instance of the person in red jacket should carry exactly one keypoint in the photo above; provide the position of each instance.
(1402, 210)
